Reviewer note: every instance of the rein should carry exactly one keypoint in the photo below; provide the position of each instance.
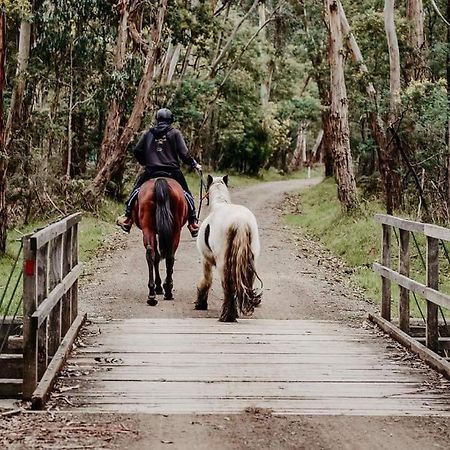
(202, 197)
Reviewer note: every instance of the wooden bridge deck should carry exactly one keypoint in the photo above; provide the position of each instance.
(169, 366)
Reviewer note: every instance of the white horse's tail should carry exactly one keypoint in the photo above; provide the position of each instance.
(239, 268)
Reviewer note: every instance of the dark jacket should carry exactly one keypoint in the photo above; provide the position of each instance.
(161, 148)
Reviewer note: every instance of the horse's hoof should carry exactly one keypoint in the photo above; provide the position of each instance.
(152, 301)
(201, 306)
(228, 319)
(159, 290)
(168, 297)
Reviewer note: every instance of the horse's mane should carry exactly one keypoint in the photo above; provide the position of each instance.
(218, 192)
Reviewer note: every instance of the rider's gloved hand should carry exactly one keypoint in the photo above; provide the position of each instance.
(198, 167)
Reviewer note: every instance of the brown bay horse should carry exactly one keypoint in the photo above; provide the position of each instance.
(160, 212)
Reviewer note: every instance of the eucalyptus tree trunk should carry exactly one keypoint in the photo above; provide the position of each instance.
(14, 115)
(266, 63)
(173, 63)
(394, 59)
(111, 132)
(345, 178)
(298, 158)
(116, 157)
(3, 156)
(416, 38)
(393, 196)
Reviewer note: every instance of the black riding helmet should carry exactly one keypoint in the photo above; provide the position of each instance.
(164, 115)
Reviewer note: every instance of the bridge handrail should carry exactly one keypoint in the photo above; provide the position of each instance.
(429, 230)
(434, 298)
(50, 303)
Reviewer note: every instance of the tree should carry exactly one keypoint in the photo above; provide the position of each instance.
(416, 39)
(15, 109)
(119, 144)
(345, 178)
(112, 126)
(393, 195)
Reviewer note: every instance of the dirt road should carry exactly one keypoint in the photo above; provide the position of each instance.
(298, 285)
(295, 286)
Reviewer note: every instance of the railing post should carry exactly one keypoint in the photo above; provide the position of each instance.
(30, 377)
(42, 292)
(55, 277)
(74, 290)
(432, 332)
(385, 283)
(404, 270)
(66, 313)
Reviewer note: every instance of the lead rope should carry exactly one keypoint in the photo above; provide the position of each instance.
(202, 184)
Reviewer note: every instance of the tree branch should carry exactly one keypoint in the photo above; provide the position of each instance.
(227, 46)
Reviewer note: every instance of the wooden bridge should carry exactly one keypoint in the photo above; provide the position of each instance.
(170, 366)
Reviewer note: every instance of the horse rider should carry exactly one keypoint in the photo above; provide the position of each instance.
(159, 150)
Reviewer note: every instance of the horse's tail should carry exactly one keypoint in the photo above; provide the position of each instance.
(163, 217)
(240, 268)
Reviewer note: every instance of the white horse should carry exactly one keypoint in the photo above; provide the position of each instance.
(228, 239)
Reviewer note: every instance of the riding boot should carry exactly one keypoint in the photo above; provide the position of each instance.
(126, 221)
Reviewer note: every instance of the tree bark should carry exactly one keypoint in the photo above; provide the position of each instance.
(3, 155)
(394, 59)
(393, 196)
(267, 66)
(415, 60)
(111, 133)
(14, 115)
(173, 63)
(297, 156)
(117, 155)
(345, 178)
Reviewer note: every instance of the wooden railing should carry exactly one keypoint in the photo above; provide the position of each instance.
(50, 304)
(429, 291)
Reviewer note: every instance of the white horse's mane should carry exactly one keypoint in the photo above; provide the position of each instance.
(218, 192)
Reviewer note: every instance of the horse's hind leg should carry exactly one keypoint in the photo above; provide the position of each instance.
(168, 282)
(203, 286)
(229, 307)
(158, 288)
(150, 256)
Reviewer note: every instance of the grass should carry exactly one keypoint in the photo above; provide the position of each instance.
(356, 239)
